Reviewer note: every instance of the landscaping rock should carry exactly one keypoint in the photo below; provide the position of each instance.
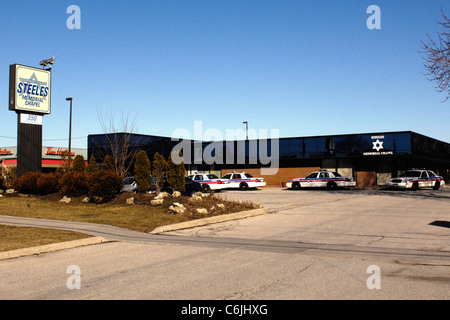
(202, 210)
(130, 200)
(10, 191)
(161, 195)
(156, 202)
(221, 206)
(176, 194)
(85, 200)
(177, 208)
(201, 194)
(65, 199)
(196, 198)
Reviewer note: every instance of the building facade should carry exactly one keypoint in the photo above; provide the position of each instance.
(370, 158)
(51, 157)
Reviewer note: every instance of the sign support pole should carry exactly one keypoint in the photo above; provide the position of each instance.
(29, 146)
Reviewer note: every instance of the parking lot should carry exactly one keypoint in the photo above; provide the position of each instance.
(312, 244)
(397, 219)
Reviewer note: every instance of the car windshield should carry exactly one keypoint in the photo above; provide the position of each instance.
(411, 174)
(336, 174)
(212, 176)
(128, 180)
(227, 176)
(248, 175)
(312, 175)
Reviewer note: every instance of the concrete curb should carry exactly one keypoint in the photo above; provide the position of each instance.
(51, 247)
(210, 220)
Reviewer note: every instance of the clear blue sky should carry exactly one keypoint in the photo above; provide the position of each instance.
(305, 68)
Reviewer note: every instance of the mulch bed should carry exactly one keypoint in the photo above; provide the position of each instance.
(210, 202)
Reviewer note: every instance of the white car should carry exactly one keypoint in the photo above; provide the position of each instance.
(416, 178)
(129, 185)
(321, 179)
(209, 181)
(243, 181)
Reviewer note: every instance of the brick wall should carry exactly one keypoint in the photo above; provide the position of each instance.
(366, 178)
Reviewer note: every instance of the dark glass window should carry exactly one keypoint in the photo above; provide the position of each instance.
(402, 143)
(323, 175)
(291, 148)
(412, 174)
(312, 175)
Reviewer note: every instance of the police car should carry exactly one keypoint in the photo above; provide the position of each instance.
(321, 179)
(208, 181)
(243, 181)
(415, 179)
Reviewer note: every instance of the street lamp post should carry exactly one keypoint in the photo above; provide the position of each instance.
(246, 129)
(70, 129)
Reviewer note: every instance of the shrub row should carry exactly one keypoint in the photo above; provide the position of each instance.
(101, 185)
(2, 183)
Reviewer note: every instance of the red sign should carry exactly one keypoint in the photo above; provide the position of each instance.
(5, 152)
(58, 152)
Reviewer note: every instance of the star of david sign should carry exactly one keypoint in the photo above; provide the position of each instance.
(378, 145)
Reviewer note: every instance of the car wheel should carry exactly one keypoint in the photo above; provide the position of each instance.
(243, 186)
(437, 185)
(331, 185)
(205, 188)
(415, 186)
(296, 186)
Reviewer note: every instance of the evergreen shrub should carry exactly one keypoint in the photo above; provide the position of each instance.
(27, 183)
(143, 172)
(47, 183)
(73, 184)
(104, 185)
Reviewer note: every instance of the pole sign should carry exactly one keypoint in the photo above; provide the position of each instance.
(29, 89)
(31, 119)
(29, 97)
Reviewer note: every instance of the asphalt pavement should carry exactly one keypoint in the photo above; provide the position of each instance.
(311, 244)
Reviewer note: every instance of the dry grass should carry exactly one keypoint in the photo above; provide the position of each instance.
(141, 216)
(13, 238)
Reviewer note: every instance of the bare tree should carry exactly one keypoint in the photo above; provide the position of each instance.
(122, 146)
(437, 57)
